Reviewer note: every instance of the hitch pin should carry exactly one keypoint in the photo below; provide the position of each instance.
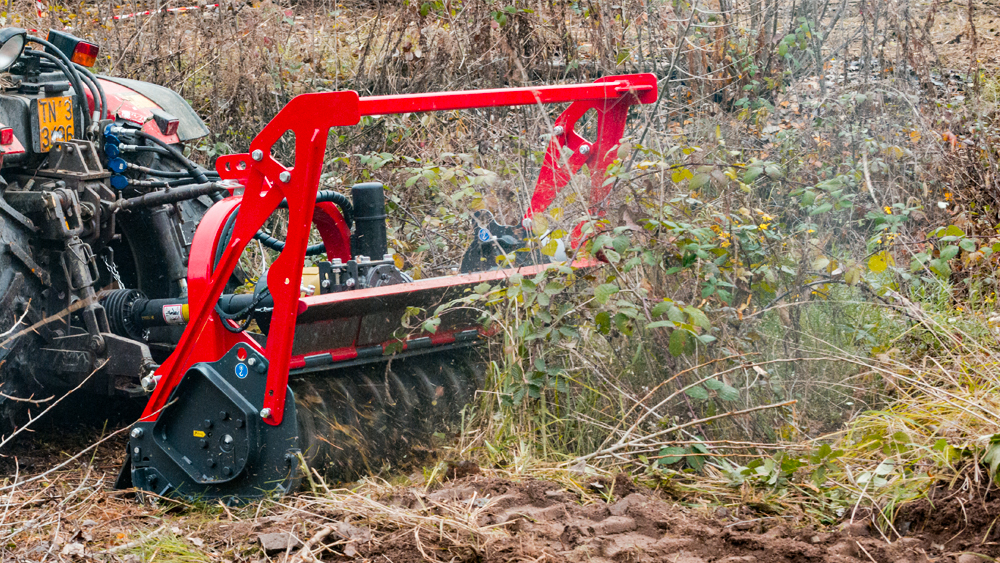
(149, 382)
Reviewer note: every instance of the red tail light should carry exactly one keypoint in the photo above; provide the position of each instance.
(85, 54)
(6, 136)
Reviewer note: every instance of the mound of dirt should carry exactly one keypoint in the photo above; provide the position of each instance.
(544, 522)
(956, 519)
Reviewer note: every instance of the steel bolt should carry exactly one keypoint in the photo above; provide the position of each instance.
(325, 284)
(223, 414)
(239, 423)
(257, 155)
(203, 443)
(350, 282)
(285, 176)
(261, 367)
(251, 362)
(227, 440)
(227, 471)
(558, 130)
(265, 413)
(136, 451)
(584, 149)
(136, 433)
(207, 424)
(211, 463)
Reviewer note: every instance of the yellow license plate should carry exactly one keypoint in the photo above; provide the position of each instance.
(55, 121)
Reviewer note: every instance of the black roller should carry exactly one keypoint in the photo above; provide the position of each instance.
(363, 419)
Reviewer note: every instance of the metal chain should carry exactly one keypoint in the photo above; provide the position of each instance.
(110, 264)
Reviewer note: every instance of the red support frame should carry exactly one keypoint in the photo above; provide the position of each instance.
(267, 182)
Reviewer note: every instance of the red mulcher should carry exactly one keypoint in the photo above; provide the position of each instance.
(222, 420)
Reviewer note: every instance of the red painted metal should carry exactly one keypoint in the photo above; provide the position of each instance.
(310, 117)
(125, 103)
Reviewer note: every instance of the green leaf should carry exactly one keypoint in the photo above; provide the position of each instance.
(671, 455)
(940, 267)
(949, 252)
(698, 317)
(674, 313)
(752, 173)
(697, 462)
(773, 172)
(713, 384)
(661, 307)
(604, 292)
(677, 340)
(697, 392)
(821, 209)
(968, 245)
(699, 181)
(660, 324)
(951, 231)
(431, 325)
(603, 322)
(729, 394)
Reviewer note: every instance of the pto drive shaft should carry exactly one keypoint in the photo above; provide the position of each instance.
(130, 313)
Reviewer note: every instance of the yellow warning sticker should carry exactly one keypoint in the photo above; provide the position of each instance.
(199, 434)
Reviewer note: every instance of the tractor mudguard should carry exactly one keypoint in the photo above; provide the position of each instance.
(134, 101)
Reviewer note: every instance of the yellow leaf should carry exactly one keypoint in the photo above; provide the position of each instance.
(550, 248)
(539, 225)
(879, 262)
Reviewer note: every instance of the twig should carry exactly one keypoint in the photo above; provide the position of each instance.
(16, 324)
(306, 554)
(866, 551)
(50, 407)
(622, 445)
(868, 178)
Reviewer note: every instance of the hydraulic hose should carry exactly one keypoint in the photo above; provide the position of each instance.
(196, 171)
(95, 93)
(168, 173)
(97, 84)
(337, 198)
(330, 196)
(147, 148)
(68, 69)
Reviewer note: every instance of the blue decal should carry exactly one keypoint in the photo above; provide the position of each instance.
(242, 371)
(484, 235)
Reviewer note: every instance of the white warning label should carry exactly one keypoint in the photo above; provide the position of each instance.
(173, 315)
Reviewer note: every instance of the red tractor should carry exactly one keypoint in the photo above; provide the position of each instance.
(120, 256)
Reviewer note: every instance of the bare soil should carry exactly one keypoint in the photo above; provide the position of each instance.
(479, 516)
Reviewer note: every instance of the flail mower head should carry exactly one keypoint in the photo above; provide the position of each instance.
(231, 413)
